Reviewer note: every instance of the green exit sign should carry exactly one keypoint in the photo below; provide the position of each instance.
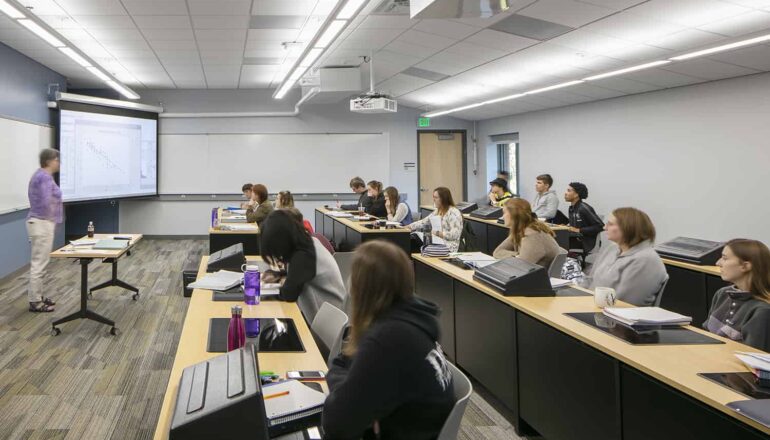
(423, 122)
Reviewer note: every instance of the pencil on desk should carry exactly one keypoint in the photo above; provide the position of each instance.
(270, 396)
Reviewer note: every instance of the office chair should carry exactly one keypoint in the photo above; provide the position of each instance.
(659, 296)
(601, 240)
(554, 270)
(328, 326)
(344, 262)
(463, 390)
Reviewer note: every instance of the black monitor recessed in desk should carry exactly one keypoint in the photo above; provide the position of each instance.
(275, 335)
(649, 335)
(741, 382)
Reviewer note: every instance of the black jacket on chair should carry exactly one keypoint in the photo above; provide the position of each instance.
(377, 207)
(583, 217)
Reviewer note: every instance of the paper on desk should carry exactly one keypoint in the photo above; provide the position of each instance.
(474, 256)
(238, 211)
(84, 242)
(755, 361)
(340, 214)
(220, 280)
(237, 227)
(558, 282)
(269, 289)
(435, 226)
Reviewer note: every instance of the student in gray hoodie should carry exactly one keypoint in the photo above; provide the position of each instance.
(741, 311)
(628, 263)
(546, 201)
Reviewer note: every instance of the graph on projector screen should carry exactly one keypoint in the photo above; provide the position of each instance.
(105, 156)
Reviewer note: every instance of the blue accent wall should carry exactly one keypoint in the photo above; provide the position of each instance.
(23, 95)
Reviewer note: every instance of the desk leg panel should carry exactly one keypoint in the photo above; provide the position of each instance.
(250, 242)
(319, 223)
(438, 288)
(567, 390)
(340, 237)
(495, 236)
(562, 238)
(653, 410)
(485, 342)
(400, 240)
(480, 231)
(686, 293)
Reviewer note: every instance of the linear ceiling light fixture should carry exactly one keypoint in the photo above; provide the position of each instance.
(13, 9)
(343, 12)
(687, 56)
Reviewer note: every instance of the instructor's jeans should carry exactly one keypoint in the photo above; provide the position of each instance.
(41, 234)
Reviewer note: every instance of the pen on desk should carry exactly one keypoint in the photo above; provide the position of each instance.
(270, 396)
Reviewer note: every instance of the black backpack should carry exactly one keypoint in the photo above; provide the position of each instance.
(468, 239)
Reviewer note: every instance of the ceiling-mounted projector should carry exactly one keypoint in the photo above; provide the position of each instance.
(373, 103)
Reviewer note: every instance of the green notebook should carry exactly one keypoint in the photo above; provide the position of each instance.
(111, 244)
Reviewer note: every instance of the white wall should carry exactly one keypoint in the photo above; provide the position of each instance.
(696, 158)
(172, 218)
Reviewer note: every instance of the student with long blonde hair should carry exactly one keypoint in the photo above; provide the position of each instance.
(741, 311)
(530, 239)
(392, 379)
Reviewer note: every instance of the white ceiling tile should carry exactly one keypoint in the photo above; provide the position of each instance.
(399, 46)
(272, 34)
(709, 69)
(185, 72)
(162, 21)
(125, 44)
(614, 4)
(220, 34)
(473, 53)
(594, 91)
(739, 25)
(751, 3)
(65, 22)
(164, 7)
(174, 44)
(372, 39)
(633, 27)
(690, 13)
(625, 85)
(219, 7)
(168, 34)
(277, 53)
(43, 7)
(257, 76)
(133, 54)
(222, 77)
(401, 84)
(105, 35)
(213, 45)
(92, 7)
(387, 22)
(455, 31)
(221, 57)
(662, 78)
(105, 21)
(584, 41)
(500, 40)
(220, 22)
(283, 7)
(425, 39)
(755, 57)
(443, 64)
(396, 60)
(566, 12)
(178, 56)
(190, 85)
(685, 40)
(640, 53)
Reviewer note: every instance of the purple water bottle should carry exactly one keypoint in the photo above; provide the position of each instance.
(251, 280)
(236, 331)
(214, 217)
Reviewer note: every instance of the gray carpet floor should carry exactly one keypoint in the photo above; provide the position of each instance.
(85, 383)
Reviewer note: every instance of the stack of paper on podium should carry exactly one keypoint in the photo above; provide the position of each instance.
(475, 259)
(220, 280)
(646, 316)
(340, 214)
(237, 227)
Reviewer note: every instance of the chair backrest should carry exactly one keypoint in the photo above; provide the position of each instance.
(345, 263)
(554, 270)
(463, 390)
(324, 241)
(659, 296)
(329, 324)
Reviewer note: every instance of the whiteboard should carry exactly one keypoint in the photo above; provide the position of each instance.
(20, 145)
(301, 163)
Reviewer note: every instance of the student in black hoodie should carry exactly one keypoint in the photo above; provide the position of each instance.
(359, 187)
(374, 191)
(584, 223)
(392, 380)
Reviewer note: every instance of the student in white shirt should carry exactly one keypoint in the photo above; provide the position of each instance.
(397, 211)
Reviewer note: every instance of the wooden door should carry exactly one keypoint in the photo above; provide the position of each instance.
(441, 164)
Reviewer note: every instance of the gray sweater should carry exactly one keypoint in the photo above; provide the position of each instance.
(535, 247)
(636, 275)
(741, 317)
(545, 205)
(326, 284)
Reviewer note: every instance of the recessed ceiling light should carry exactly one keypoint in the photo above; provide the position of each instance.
(75, 56)
(10, 10)
(40, 32)
(557, 86)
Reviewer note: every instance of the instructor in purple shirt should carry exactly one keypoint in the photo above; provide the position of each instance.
(45, 212)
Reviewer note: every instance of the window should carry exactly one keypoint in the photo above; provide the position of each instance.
(508, 161)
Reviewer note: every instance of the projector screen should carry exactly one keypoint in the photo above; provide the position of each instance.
(107, 153)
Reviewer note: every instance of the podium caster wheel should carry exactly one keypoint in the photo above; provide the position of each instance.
(55, 331)
(114, 331)
(135, 296)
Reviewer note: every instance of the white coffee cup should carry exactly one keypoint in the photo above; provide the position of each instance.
(604, 297)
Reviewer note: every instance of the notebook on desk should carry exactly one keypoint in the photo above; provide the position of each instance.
(291, 406)
(110, 244)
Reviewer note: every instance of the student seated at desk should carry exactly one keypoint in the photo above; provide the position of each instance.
(629, 263)
(359, 187)
(530, 239)
(397, 211)
(546, 202)
(451, 219)
(391, 380)
(246, 190)
(741, 312)
(584, 222)
(499, 193)
(258, 212)
(311, 276)
(377, 208)
(285, 200)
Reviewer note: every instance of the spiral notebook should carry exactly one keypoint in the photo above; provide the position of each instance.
(290, 403)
